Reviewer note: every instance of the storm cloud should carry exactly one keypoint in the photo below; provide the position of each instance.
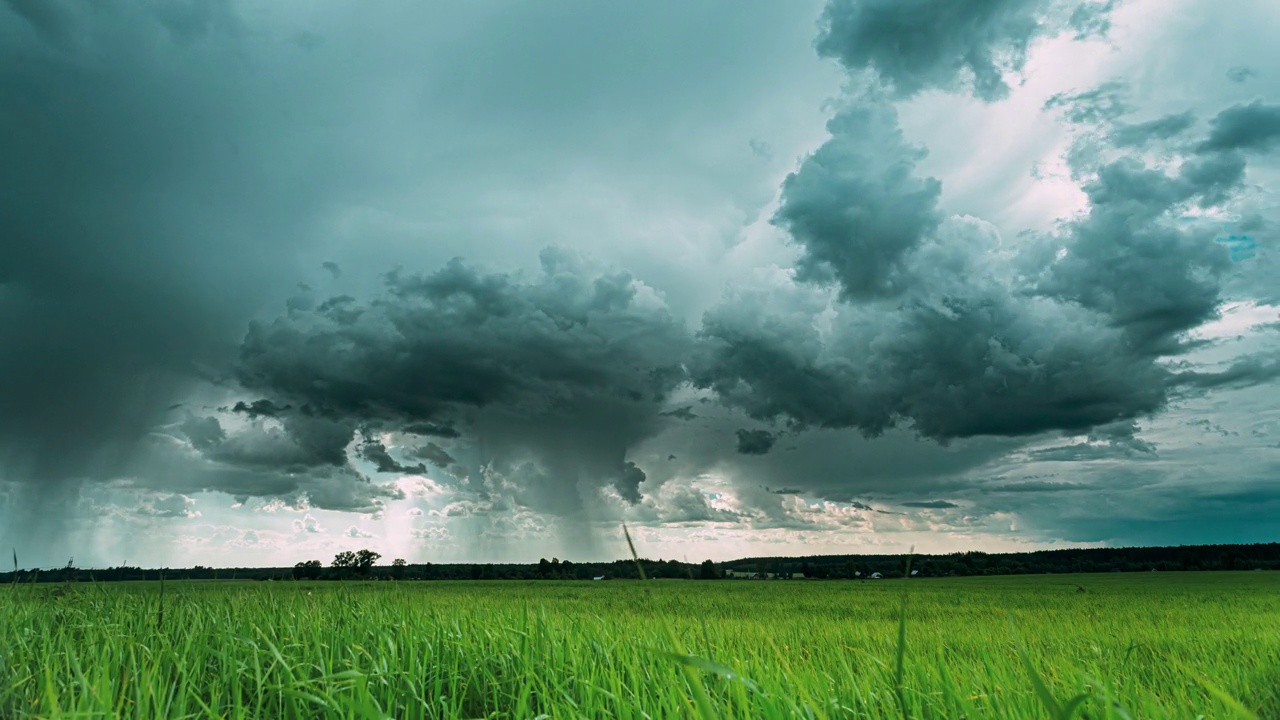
(936, 323)
(856, 206)
(946, 44)
(504, 264)
(1255, 126)
(568, 369)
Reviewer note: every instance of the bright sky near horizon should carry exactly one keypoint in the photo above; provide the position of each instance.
(484, 280)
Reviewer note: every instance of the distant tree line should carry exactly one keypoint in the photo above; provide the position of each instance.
(362, 564)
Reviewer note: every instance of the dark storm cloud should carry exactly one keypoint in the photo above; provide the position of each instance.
(170, 172)
(1067, 334)
(983, 364)
(1255, 127)
(829, 464)
(570, 368)
(304, 462)
(456, 339)
(100, 324)
(1130, 259)
(856, 206)
(433, 454)
(755, 442)
(914, 45)
(154, 193)
(628, 481)
(931, 504)
(431, 430)
(376, 453)
(260, 408)
(295, 445)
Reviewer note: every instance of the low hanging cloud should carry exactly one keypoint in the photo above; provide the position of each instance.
(568, 369)
(755, 442)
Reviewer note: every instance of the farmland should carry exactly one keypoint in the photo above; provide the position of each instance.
(1150, 645)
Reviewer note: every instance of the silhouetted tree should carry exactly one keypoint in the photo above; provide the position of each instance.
(308, 570)
(365, 560)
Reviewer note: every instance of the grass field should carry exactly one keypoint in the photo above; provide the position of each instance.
(1152, 645)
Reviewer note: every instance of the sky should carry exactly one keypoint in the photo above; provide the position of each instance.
(483, 281)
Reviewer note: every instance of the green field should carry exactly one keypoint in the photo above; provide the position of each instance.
(1151, 645)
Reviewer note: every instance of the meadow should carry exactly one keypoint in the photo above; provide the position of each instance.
(1143, 645)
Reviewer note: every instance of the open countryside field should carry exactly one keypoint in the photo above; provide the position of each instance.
(1150, 645)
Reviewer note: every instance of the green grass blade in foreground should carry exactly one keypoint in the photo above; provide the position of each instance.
(701, 697)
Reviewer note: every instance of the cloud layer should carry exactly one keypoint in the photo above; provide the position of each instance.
(567, 281)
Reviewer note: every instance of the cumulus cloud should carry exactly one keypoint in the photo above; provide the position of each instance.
(305, 462)
(1065, 331)
(174, 505)
(963, 357)
(1255, 127)
(430, 533)
(308, 524)
(946, 44)
(567, 370)
(856, 206)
